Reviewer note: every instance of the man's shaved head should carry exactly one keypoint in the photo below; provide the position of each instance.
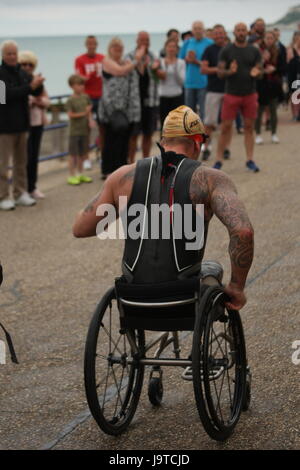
(198, 29)
(240, 32)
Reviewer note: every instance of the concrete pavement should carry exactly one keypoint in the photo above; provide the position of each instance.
(53, 282)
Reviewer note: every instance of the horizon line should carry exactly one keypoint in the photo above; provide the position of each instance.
(98, 34)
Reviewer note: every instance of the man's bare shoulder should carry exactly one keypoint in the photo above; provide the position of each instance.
(206, 180)
(120, 182)
(121, 175)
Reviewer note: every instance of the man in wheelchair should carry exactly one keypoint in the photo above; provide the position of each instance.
(176, 177)
(166, 287)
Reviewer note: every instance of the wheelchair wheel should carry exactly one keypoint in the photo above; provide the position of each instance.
(113, 375)
(155, 388)
(219, 365)
(247, 398)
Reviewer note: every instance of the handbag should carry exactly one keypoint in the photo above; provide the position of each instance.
(118, 121)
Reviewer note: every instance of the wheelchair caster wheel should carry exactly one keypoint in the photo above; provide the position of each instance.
(155, 391)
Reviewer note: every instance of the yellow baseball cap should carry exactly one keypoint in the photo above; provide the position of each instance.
(182, 122)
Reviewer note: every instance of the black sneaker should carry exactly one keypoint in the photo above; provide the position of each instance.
(205, 155)
(226, 154)
(218, 165)
(252, 166)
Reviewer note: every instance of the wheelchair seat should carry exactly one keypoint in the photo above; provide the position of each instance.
(168, 306)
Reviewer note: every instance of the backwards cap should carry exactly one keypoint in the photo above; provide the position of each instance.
(182, 122)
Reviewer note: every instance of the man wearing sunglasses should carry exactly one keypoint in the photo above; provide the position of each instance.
(175, 177)
(14, 125)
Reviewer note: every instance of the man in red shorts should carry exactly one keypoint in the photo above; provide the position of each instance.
(89, 67)
(240, 65)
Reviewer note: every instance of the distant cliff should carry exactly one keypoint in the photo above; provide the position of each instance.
(290, 20)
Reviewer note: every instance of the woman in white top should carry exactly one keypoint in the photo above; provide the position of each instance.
(37, 106)
(171, 74)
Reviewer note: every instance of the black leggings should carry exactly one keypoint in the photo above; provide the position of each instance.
(168, 104)
(115, 149)
(273, 104)
(33, 150)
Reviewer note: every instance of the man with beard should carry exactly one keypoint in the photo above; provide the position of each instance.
(215, 87)
(240, 65)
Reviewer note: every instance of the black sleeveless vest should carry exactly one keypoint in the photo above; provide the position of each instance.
(148, 257)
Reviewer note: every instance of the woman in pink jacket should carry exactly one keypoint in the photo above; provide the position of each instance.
(38, 106)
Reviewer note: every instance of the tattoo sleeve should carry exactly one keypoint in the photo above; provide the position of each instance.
(232, 213)
(198, 186)
(128, 176)
(90, 206)
(199, 193)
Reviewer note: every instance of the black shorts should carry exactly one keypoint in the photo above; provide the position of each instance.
(148, 123)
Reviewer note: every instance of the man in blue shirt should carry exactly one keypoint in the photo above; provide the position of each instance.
(195, 82)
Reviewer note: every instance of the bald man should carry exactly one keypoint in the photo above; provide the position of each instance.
(240, 66)
(195, 82)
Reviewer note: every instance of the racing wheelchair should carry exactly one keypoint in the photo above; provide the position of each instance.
(116, 353)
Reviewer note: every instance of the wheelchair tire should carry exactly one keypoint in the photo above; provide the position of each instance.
(155, 391)
(113, 386)
(218, 360)
(247, 399)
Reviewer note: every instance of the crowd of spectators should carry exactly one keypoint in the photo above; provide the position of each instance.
(129, 95)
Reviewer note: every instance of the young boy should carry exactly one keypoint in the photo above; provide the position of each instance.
(79, 108)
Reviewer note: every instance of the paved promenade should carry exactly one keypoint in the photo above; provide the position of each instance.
(53, 282)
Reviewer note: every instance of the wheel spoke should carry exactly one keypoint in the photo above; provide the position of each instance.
(112, 341)
(102, 381)
(217, 339)
(227, 373)
(214, 382)
(118, 390)
(106, 381)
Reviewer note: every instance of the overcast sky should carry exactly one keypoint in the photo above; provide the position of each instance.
(67, 17)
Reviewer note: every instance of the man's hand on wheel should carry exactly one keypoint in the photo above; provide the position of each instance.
(237, 297)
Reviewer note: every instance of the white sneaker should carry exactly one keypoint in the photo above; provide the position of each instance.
(87, 165)
(37, 194)
(7, 205)
(25, 200)
(259, 140)
(275, 139)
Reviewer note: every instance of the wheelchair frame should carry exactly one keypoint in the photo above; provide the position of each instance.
(203, 367)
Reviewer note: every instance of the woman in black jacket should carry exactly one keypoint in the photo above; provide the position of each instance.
(269, 88)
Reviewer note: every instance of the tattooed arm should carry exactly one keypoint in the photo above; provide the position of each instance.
(118, 183)
(230, 210)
